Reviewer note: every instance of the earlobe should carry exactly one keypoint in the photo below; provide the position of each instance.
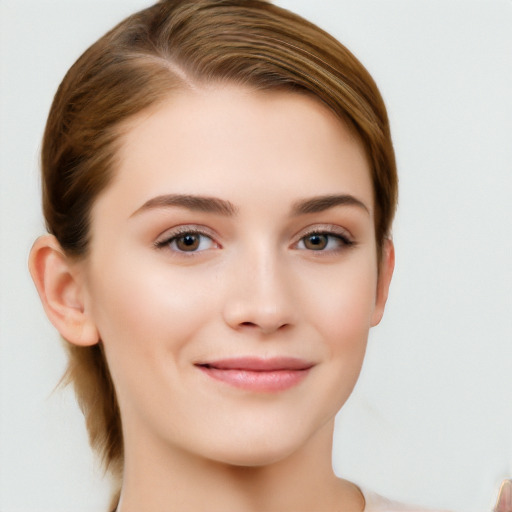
(386, 267)
(61, 292)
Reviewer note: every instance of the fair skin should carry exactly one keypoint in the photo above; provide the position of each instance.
(239, 226)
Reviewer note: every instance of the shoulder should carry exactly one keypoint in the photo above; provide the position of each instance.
(376, 503)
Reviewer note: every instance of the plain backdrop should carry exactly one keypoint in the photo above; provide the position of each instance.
(430, 421)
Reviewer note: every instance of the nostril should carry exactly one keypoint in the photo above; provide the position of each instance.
(270, 328)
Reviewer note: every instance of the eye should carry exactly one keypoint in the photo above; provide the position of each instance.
(187, 241)
(324, 241)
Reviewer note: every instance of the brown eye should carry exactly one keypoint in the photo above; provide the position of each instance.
(188, 242)
(316, 241)
(324, 241)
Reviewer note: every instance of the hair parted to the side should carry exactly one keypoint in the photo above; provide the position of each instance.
(172, 45)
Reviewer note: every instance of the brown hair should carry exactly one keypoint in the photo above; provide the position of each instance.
(177, 44)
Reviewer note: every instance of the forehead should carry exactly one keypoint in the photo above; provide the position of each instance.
(238, 142)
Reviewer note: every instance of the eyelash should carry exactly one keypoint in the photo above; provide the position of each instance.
(331, 233)
(181, 233)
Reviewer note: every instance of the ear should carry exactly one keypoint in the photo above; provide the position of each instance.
(60, 289)
(386, 267)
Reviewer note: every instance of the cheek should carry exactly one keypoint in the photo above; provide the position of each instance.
(148, 319)
(147, 310)
(340, 312)
(343, 310)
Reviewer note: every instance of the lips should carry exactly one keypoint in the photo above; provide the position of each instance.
(256, 374)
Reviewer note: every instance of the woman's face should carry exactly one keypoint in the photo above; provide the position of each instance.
(233, 275)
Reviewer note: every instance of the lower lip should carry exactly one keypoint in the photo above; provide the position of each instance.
(262, 381)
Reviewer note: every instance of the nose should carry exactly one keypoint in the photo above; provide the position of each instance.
(260, 297)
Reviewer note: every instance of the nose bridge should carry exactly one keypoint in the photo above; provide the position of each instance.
(261, 295)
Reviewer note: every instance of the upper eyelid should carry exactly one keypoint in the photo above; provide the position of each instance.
(328, 229)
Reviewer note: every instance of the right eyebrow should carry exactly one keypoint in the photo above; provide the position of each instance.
(190, 202)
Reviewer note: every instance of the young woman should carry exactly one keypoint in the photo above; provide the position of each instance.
(219, 185)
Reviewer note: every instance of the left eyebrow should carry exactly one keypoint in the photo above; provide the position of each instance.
(322, 203)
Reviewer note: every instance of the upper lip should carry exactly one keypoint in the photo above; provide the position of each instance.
(257, 364)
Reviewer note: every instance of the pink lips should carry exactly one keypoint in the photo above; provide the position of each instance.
(255, 374)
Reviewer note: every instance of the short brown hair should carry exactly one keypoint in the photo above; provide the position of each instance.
(175, 44)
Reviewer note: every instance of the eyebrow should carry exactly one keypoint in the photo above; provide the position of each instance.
(222, 207)
(322, 203)
(191, 202)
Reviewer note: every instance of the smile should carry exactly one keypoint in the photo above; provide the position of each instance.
(260, 375)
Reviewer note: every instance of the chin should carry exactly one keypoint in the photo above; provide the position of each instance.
(261, 449)
(253, 458)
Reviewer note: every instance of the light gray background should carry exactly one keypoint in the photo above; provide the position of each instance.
(431, 419)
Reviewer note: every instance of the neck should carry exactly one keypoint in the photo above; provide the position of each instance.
(173, 480)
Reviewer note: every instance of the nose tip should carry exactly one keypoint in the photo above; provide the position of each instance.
(251, 315)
